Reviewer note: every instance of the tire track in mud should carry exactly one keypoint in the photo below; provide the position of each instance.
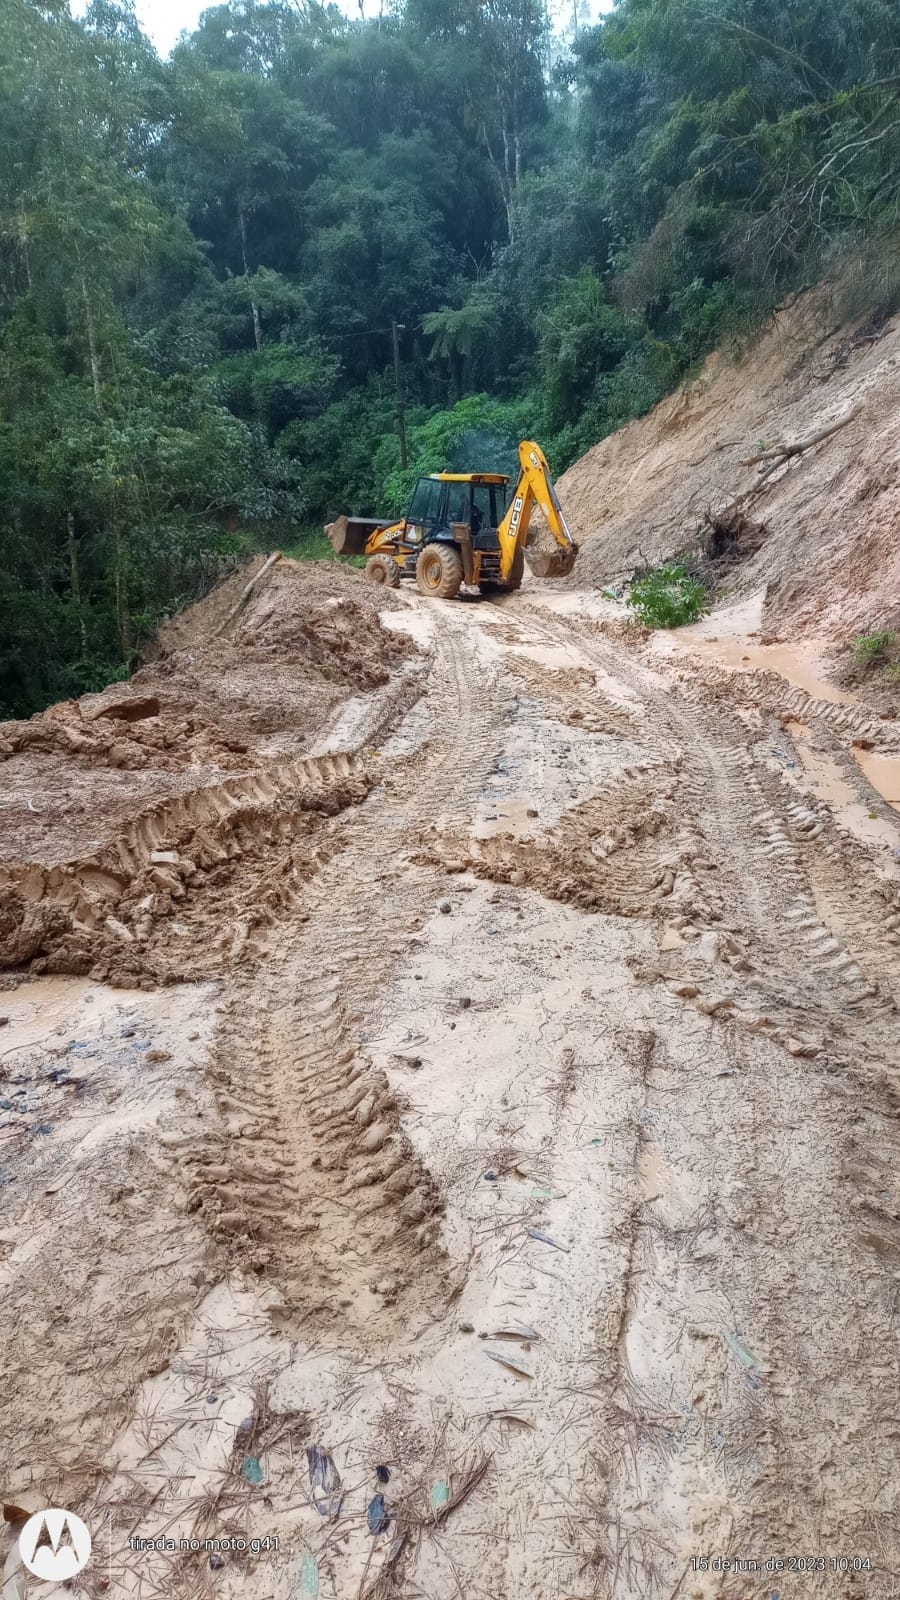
(753, 838)
(771, 1470)
(358, 1236)
(729, 1202)
(178, 892)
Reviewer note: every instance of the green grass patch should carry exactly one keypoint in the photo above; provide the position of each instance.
(870, 648)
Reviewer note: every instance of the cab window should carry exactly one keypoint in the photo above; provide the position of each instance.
(425, 502)
(457, 502)
(482, 507)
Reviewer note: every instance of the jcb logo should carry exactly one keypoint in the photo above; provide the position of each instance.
(55, 1544)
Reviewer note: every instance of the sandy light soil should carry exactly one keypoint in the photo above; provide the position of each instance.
(509, 1207)
(821, 531)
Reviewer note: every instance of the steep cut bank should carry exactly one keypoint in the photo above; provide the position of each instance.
(820, 528)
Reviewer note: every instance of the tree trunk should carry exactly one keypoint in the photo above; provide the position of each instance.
(254, 308)
(123, 613)
(92, 344)
(26, 254)
(502, 179)
(75, 576)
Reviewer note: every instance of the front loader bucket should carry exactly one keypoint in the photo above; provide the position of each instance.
(350, 535)
(551, 563)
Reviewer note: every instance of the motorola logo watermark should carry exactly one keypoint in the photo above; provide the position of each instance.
(54, 1545)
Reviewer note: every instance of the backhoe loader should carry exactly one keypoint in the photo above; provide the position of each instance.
(464, 528)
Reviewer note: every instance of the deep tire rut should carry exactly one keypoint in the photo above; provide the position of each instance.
(358, 1235)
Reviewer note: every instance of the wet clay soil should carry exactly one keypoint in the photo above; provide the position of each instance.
(523, 1151)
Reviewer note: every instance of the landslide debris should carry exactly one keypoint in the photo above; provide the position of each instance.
(151, 830)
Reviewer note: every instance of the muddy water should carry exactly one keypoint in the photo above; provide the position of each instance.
(799, 665)
(796, 665)
(883, 772)
(50, 1006)
(832, 785)
(515, 816)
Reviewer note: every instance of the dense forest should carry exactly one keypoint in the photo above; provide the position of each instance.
(202, 260)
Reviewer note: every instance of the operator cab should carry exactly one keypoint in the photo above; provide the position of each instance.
(478, 500)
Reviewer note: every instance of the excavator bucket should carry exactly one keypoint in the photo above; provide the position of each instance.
(551, 563)
(350, 535)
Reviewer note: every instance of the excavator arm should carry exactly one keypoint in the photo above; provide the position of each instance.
(535, 486)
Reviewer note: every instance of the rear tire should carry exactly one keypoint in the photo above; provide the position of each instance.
(439, 571)
(383, 570)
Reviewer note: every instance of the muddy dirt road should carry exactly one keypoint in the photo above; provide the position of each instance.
(518, 1213)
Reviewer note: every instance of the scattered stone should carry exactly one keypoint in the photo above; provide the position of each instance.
(445, 908)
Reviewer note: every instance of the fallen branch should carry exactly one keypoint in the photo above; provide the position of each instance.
(784, 452)
(246, 593)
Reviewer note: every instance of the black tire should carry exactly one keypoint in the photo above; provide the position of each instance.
(439, 571)
(383, 570)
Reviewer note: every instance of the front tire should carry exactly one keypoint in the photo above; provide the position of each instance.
(439, 571)
(383, 570)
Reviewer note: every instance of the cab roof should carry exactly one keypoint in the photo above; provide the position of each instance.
(470, 477)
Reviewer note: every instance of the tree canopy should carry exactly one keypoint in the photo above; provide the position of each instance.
(201, 260)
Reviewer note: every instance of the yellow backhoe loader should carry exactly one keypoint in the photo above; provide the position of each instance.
(464, 528)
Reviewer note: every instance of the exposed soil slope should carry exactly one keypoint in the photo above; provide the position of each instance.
(829, 551)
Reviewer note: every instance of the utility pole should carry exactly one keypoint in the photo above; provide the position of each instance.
(396, 328)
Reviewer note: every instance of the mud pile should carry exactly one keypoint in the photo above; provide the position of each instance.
(151, 830)
(823, 523)
(339, 635)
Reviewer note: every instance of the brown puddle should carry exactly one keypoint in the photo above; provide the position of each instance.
(803, 671)
(508, 816)
(883, 773)
(833, 786)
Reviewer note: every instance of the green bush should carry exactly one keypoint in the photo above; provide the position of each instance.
(668, 598)
(870, 647)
